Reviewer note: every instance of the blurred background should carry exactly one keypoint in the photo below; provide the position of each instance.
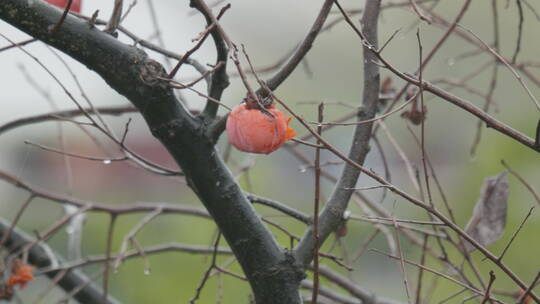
(331, 73)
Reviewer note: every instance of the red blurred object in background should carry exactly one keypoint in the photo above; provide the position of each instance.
(75, 6)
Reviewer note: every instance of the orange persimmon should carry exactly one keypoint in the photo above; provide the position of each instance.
(252, 130)
(21, 275)
(526, 300)
(75, 5)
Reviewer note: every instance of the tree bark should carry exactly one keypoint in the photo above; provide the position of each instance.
(272, 272)
(40, 256)
(332, 214)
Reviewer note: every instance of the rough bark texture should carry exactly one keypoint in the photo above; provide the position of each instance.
(273, 275)
(40, 256)
(332, 214)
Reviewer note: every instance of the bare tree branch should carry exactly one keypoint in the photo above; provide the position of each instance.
(332, 214)
(40, 256)
(272, 273)
(302, 49)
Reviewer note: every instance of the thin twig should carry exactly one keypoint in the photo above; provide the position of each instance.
(131, 235)
(106, 160)
(14, 45)
(207, 273)
(396, 220)
(411, 199)
(488, 289)
(438, 273)
(157, 31)
(508, 65)
(383, 116)
(301, 51)
(523, 181)
(20, 212)
(525, 294)
(493, 123)
(126, 130)
(115, 19)
(108, 250)
(520, 31)
(180, 85)
(316, 239)
(401, 261)
(209, 98)
(206, 32)
(494, 77)
(55, 28)
(419, 12)
(515, 234)
(421, 271)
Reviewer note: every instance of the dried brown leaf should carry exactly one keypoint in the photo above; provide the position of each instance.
(488, 220)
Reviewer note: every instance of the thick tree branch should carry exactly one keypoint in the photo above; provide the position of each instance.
(40, 256)
(332, 214)
(272, 273)
(219, 80)
(286, 70)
